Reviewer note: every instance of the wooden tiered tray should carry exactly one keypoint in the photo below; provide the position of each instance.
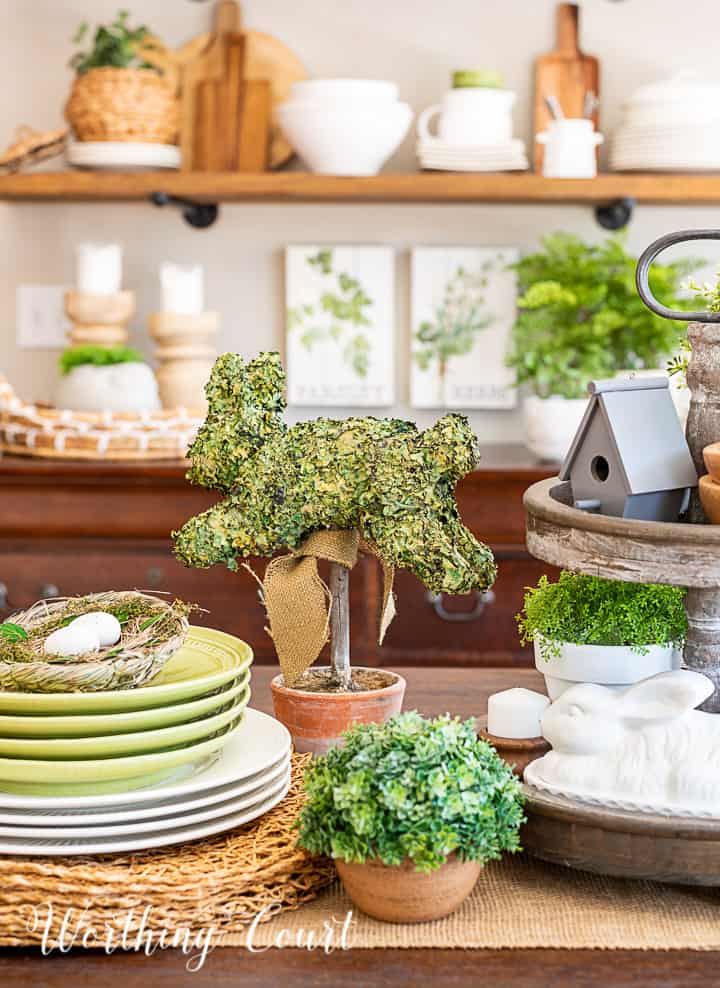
(600, 839)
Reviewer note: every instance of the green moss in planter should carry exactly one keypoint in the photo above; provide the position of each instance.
(411, 788)
(98, 356)
(587, 610)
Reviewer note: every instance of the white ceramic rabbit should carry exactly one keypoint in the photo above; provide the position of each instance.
(646, 744)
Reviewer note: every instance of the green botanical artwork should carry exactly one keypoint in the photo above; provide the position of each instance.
(380, 476)
(340, 314)
(459, 317)
(463, 305)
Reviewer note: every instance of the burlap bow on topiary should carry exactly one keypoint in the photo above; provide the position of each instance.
(298, 601)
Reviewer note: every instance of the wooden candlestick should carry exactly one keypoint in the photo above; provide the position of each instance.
(185, 356)
(516, 752)
(100, 320)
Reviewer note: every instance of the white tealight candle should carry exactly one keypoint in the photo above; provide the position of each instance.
(516, 713)
(182, 289)
(99, 268)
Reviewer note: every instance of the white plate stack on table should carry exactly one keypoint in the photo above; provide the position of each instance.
(125, 155)
(474, 128)
(176, 759)
(670, 126)
(251, 776)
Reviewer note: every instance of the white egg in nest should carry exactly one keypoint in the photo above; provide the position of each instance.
(106, 626)
(72, 640)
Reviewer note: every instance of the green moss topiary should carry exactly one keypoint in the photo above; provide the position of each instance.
(411, 788)
(382, 477)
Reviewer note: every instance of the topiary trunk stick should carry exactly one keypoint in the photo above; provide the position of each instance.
(340, 625)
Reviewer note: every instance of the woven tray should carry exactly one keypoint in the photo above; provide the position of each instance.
(223, 881)
(34, 430)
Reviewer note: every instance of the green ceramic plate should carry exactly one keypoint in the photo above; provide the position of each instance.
(207, 661)
(83, 777)
(100, 725)
(115, 745)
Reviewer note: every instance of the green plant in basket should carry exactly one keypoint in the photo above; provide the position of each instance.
(580, 317)
(411, 789)
(115, 45)
(588, 610)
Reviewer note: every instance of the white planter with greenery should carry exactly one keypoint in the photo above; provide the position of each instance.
(106, 379)
(588, 630)
(581, 319)
(551, 424)
(607, 665)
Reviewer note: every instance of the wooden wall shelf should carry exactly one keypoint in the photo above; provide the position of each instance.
(421, 187)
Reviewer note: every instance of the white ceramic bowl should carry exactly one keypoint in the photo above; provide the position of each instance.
(337, 91)
(344, 142)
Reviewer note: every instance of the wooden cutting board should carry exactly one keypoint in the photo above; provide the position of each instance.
(263, 57)
(565, 73)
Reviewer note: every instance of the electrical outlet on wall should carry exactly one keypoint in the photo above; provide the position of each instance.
(40, 316)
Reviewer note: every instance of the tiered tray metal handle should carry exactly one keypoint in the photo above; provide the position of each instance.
(616, 842)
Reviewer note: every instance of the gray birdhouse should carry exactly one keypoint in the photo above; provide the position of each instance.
(629, 457)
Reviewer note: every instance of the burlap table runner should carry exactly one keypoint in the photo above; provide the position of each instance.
(521, 902)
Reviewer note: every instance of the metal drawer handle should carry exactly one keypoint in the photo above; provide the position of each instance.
(48, 591)
(5, 608)
(482, 600)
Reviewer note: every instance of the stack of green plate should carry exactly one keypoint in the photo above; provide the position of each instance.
(82, 743)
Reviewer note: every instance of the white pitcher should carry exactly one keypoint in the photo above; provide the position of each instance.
(471, 116)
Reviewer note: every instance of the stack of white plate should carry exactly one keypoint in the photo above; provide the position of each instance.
(251, 776)
(434, 153)
(128, 156)
(671, 125)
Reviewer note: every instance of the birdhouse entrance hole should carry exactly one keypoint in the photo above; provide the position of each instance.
(600, 468)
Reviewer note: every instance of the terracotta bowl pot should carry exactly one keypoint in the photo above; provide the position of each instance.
(317, 721)
(711, 455)
(401, 894)
(710, 498)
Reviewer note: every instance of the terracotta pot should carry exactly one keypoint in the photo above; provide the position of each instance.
(401, 894)
(710, 497)
(317, 721)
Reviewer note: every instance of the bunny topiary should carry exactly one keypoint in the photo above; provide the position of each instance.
(644, 745)
(383, 477)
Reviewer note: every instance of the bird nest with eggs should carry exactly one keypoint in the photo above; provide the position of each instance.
(104, 641)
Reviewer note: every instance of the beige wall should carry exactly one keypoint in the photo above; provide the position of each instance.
(415, 42)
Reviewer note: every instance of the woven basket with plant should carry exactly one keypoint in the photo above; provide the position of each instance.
(122, 91)
(151, 631)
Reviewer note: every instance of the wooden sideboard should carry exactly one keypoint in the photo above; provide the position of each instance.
(70, 527)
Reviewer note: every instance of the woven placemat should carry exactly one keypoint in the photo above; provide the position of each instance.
(222, 882)
(521, 902)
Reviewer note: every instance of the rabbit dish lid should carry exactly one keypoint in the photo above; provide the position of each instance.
(644, 749)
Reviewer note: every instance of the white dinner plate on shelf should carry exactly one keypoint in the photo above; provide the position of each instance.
(131, 813)
(118, 154)
(258, 743)
(143, 841)
(89, 831)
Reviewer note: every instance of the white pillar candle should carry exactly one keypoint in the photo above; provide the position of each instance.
(182, 289)
(99, 269)
(516, 713)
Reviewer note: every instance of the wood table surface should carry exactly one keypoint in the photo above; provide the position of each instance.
(431, 691)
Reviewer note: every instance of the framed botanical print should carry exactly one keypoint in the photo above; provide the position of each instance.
(463, 302)
(340, 325)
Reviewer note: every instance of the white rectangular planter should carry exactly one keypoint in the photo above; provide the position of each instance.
(608, 665)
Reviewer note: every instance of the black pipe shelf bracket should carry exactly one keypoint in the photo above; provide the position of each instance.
(199, 215)
(616, 214)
